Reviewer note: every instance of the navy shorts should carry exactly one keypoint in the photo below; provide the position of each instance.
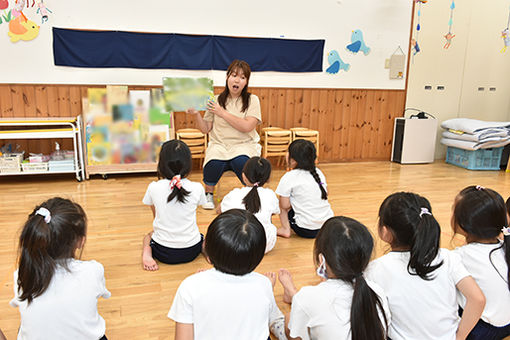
(176, 255)
(486, 331)
(303, 232)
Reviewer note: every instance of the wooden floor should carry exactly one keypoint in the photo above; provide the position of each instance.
(118, 221)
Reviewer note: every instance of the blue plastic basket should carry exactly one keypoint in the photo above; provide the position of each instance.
(483, 159)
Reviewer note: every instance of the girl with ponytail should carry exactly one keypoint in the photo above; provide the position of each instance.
(56, 293)
(421, 279)
(260, 201)
(479, 214)
(173, 200)
(345, 305)
(303, 193)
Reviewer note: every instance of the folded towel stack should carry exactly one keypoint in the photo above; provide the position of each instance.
(473, 134)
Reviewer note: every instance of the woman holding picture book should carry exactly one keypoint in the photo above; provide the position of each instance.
(230, 120)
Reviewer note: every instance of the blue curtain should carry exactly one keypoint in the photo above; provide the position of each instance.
(79, 48)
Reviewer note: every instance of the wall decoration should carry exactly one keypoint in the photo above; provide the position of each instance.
(336, 63)
(505, 34)
(397, 63)
(44, 11)
(20, 28)
(358, 43)
(449, 36)
(414, 40)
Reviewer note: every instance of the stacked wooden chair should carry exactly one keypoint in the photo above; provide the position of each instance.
(196, 141)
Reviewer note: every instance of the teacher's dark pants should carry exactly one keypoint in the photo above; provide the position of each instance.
(214, 169)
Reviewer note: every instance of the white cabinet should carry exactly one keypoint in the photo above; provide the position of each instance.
(39, 128)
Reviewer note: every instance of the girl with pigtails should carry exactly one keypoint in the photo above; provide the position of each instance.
(260, 201)
(173, 200)
(344, 305)
(420, 279)
(56, 293)
(303, 193)
(479, 214)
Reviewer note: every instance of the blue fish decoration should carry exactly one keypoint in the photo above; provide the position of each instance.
(336, 63)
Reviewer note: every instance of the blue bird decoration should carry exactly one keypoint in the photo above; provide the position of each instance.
(336, 63)
(357, 43)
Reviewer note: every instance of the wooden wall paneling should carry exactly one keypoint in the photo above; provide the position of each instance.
(41, 103)
(314, 111)
(29, 101)
(75, 107)
(346, 121)
(64, 110)
(298, 108)
(336, 125)
(362, 121)
(307, 108)
(281, 109)
(354, 124)
(18, 110)
(6, 109)
(370, 134)
(272, 120)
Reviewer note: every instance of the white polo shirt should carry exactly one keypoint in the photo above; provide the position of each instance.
(269, 206)
(420, 309)
(175, 223)
(311, 211)
(225, 306)
(68, 307)
(324, 311)
(491, 276)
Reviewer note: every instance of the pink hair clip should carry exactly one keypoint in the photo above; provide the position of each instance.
(505, 231)
(176, 182)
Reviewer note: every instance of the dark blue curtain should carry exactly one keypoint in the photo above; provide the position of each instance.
(179, 51)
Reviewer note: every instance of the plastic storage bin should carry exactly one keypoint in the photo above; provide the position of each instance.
(482, 159)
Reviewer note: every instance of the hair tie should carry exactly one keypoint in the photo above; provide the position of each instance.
(424, 211)
(176, 182)
(256, 184)
(44, 213)
(505, 231)
(479, 187)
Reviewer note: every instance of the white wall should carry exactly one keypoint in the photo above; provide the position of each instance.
(385, 25)
(473, 60)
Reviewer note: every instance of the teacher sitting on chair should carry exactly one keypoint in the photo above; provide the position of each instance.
(230, 120)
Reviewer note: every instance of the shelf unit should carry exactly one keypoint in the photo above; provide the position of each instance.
(41, 128)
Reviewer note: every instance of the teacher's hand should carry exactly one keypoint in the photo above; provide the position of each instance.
(214, 107)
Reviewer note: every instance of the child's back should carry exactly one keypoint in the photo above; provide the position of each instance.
(175, 223)
(486, 263)
(268, 207)
(420, 309)
(225, 306)
(229, 301)
(56, 293)
(68, 307)
(480, 214)
(310, 210)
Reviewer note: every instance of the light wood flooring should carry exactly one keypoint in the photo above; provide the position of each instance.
(118, 221)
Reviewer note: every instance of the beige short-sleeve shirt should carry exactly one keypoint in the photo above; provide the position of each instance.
(226, 142)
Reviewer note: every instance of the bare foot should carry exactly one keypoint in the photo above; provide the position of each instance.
(283, 232)
(148, 262)
(272, 277)
(289, 289)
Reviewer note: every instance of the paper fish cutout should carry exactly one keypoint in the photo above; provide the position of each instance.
(22, 29)
(336, 63)
(357, 43)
